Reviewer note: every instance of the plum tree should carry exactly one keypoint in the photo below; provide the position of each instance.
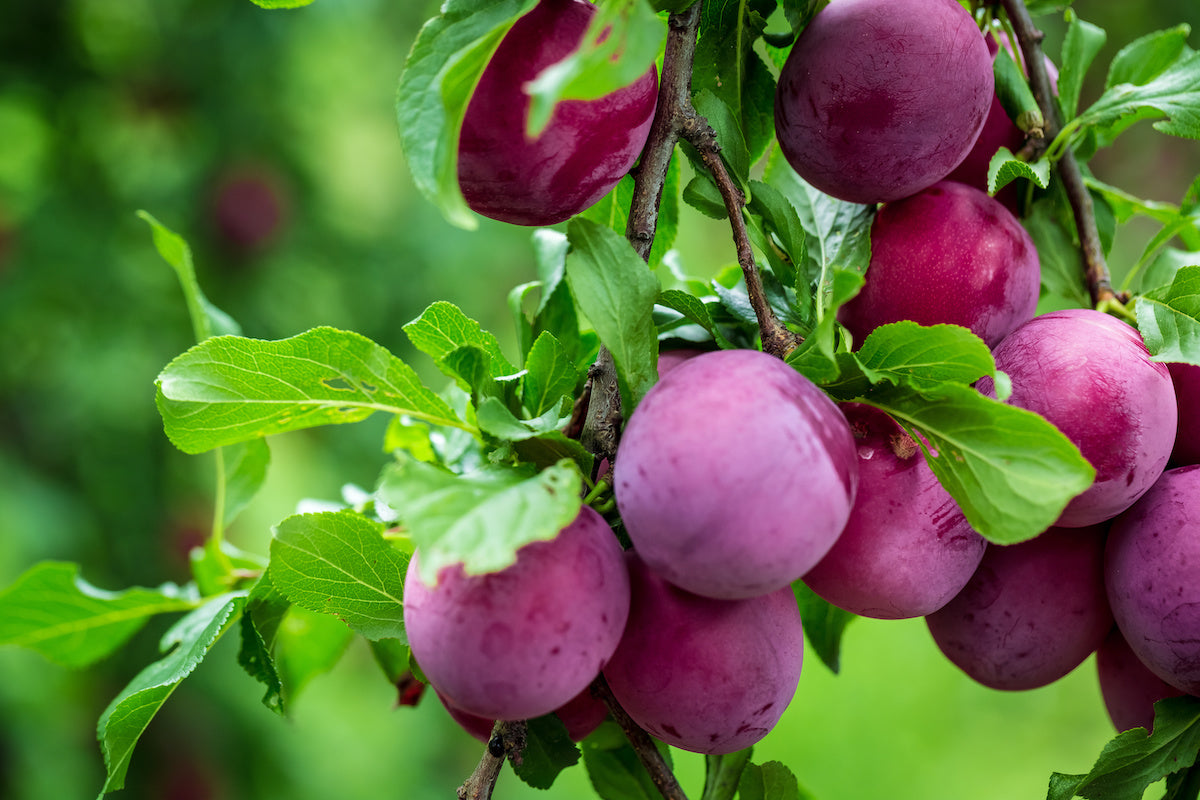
(702, 674)
(734, 424)
(1151, 577)
(1119, 409)
(1186, 380)
(523, 641)
(907, 549)
(1031, 613)
(947, 254)
(882, 98)
(1129, 689)
(586, 147)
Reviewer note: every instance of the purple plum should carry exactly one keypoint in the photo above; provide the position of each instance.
(1186, 379)
(1129, 689)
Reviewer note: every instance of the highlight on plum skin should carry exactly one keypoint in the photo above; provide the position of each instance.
(734, 474)
(907, 549)
(706, 675)
(586, 148)
(521, 642)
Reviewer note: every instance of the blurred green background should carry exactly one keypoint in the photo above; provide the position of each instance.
(267, 139)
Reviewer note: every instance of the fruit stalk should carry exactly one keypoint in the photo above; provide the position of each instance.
(658, 769)
(508, 741)
(1096, 274)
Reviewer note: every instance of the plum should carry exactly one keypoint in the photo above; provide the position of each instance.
(1091, 376)
(735, 474)
(1150, 569)
(1186, 379)
(249, 208)
(586, 148)
(706, 675)
(948, 254)
(580, 715)
(1031, 613)
(907, 548)
(882, 98)
(1128, 688)
(521, 642)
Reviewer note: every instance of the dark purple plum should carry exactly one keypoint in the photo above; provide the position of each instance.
(1186, 379)
(249, 208)
(735, 474)
(523, 641)
(907, 549)
(1031, 613)
(706, 675)
(882, 98)
(1129, 689)
(586, 148)
(580, 716)
(1150, 568)
(948, 254)
(1091, 376)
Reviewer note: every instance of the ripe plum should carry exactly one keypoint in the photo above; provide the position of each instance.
(1128, 687)
(706, 675)
(1186, 379)
(586, 148)
(521, 642)
(580, 716)
(735, 474)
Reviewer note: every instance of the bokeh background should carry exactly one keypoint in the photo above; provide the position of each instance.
(268, 140)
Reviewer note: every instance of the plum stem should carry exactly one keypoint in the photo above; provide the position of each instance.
(1096, 273)
(643, 744)
(507, 741)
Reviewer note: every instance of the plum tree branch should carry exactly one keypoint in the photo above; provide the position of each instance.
(656, 766)
(508, 741)
(1096, 273)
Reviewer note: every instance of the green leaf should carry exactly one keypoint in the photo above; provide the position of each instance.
(548, 751)
(727, 128)
(1080, 46)
(613, 767)
(925, 357)
(228, 389)
(816, 358)
(771, 781)
(339, 563)
(307, 645)
(244, 467)
(1132, 761)
(186, 644)
(694, 309)
(1012, 89)
(612, 210)
(620, 45)
(265, 610)
(496, 420)
(1062, 271)
(550, 375)
(824, 625)
(282, 3)
(443, 328)
(1174, 94)
(1010, 471)
(781, 238)
(1147, 57)
(549, 448)
(481, 519)
(207, 319)
(1169, 318)
(51, 610)
(722, 773)
(616, 291)
(440, 75)
(1004, 168)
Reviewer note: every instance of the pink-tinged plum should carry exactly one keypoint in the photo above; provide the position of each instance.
(580, 716)
(706, 675)
(1091, 376)
(523, 641)
(249, 208)
(1151, 568)
(586, 148)
(907, 548)
(1031, 613)
(735, 474)
(948, 254)
(669, 359)
(882, 98)
(1186, 379)
(1129, 689)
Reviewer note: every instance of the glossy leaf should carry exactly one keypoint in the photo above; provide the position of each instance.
(1169, 318)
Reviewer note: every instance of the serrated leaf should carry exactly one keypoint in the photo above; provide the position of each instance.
(186, 643)
(282, 3)
(496, 420)
(615, 290)
(1174, 94)
(228, 389)
(1082, 42)
(244, 467)
(265, 610)
(1004, 168)
(1062, 271)
(307, 645)
(824, 625)
(1147, 57)
(548, 751)
(781, 239)
(727, 128)
(925, 357)
(770, 781)
(816, 358)
(207, 319)
(440, 75)
(339, 563)
(614, 769)
(480, 519)
(51, 610)
(1132, 761)
(443, 328)
(1010, 471)
(550, 375)
(694, 309)
(547, 449)
(1169, 318)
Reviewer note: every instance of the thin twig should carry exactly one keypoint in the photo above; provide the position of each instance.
(656, 766)
(508, 741)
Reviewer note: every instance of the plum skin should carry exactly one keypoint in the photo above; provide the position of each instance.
(580, 716)
(1186, 379)
(907, 549)
(1150, 570)
(948, 254)
(1128, 688)
(734, 474)
(586, 148)
(1031, 613)
(706, 675)
(882, 98)
(1091, 376)
(521, 642)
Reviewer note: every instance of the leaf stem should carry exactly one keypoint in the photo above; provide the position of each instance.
(643, 744)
